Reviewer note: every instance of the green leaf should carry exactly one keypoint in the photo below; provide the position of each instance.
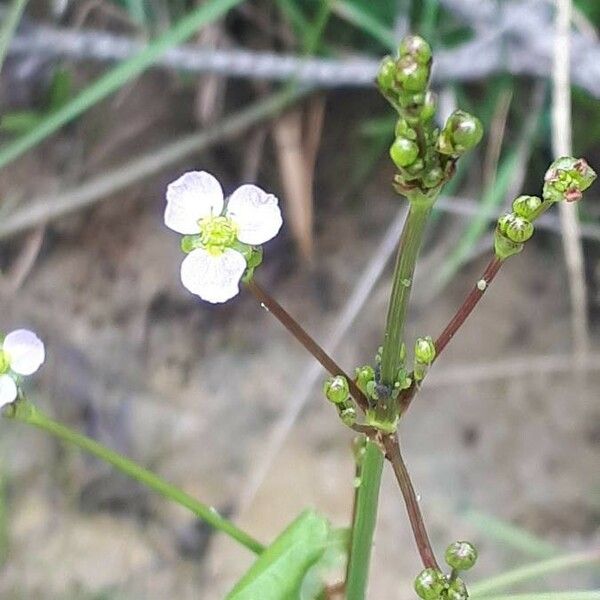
(279, 572)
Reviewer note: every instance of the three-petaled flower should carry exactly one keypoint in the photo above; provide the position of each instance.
(221, 240)
(21, 353)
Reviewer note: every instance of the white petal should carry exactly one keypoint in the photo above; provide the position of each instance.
(8, 390)
(255, 213)
(194, 195)
(25, 351)
(213, 278)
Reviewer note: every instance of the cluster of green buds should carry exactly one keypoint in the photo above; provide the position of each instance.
(432, 584)
(337, 391)
(424, 156)
(383, 411)
(424, 356)
(566, 180)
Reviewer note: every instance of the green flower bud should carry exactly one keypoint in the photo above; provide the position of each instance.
(515, 228)
(424, 350)
(417, 47)
(348, 415)
(411, 75)
(461, 132)
(404, 130)
(336, 389)
(567, 179)
(429, 106)
(364, 375)
(430, 584)
(461, 555)
(404, 152)
(433, 177)
(386, 75)
(457, 590)
(526, 206)
(416, 167)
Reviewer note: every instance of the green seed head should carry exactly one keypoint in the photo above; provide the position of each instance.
(457, 590)
(417, 47)
(336, 389)
(404, 152)
(430, 584)
(424, 350)
(461, 555)
(526, 206)
(567, 179)
(411, 75)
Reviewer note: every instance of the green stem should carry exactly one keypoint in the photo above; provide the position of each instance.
(533, 571)
(25, 412)
(364, 522)
(366, 507)
(11, 20)
(410, 243)
(117, 77)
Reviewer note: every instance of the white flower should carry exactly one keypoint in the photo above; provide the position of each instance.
(21, 353)
(196, 206)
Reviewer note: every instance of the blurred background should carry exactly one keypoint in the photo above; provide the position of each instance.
(504, 440)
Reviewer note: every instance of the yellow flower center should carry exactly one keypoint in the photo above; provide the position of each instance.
(217, 234)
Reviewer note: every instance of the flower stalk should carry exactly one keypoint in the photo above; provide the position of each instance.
(25, 412)
(270, 304)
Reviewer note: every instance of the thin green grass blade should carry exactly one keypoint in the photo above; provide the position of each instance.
(11, 20)
(357, 16)
(534, 571)
(575, 595)
(117, 77)
(511, 535)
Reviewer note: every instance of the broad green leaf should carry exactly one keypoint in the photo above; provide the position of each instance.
(280, 570)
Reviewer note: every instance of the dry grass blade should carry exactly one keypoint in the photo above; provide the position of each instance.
(297, 136)
(562, 146)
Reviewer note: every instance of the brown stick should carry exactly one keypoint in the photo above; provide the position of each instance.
(306, 340)
(461, 315)
(393, 454)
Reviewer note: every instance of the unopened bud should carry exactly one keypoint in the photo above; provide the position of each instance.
(515, 228)
(457, 590)
(526, 206)
(424, 350)
(461, 132)
(417, 47)
(404, 152)
(364, 376)
(461, 555)
(430, 584)
(387, 74)
(336, 389)
(348, 415)
(411, 75)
